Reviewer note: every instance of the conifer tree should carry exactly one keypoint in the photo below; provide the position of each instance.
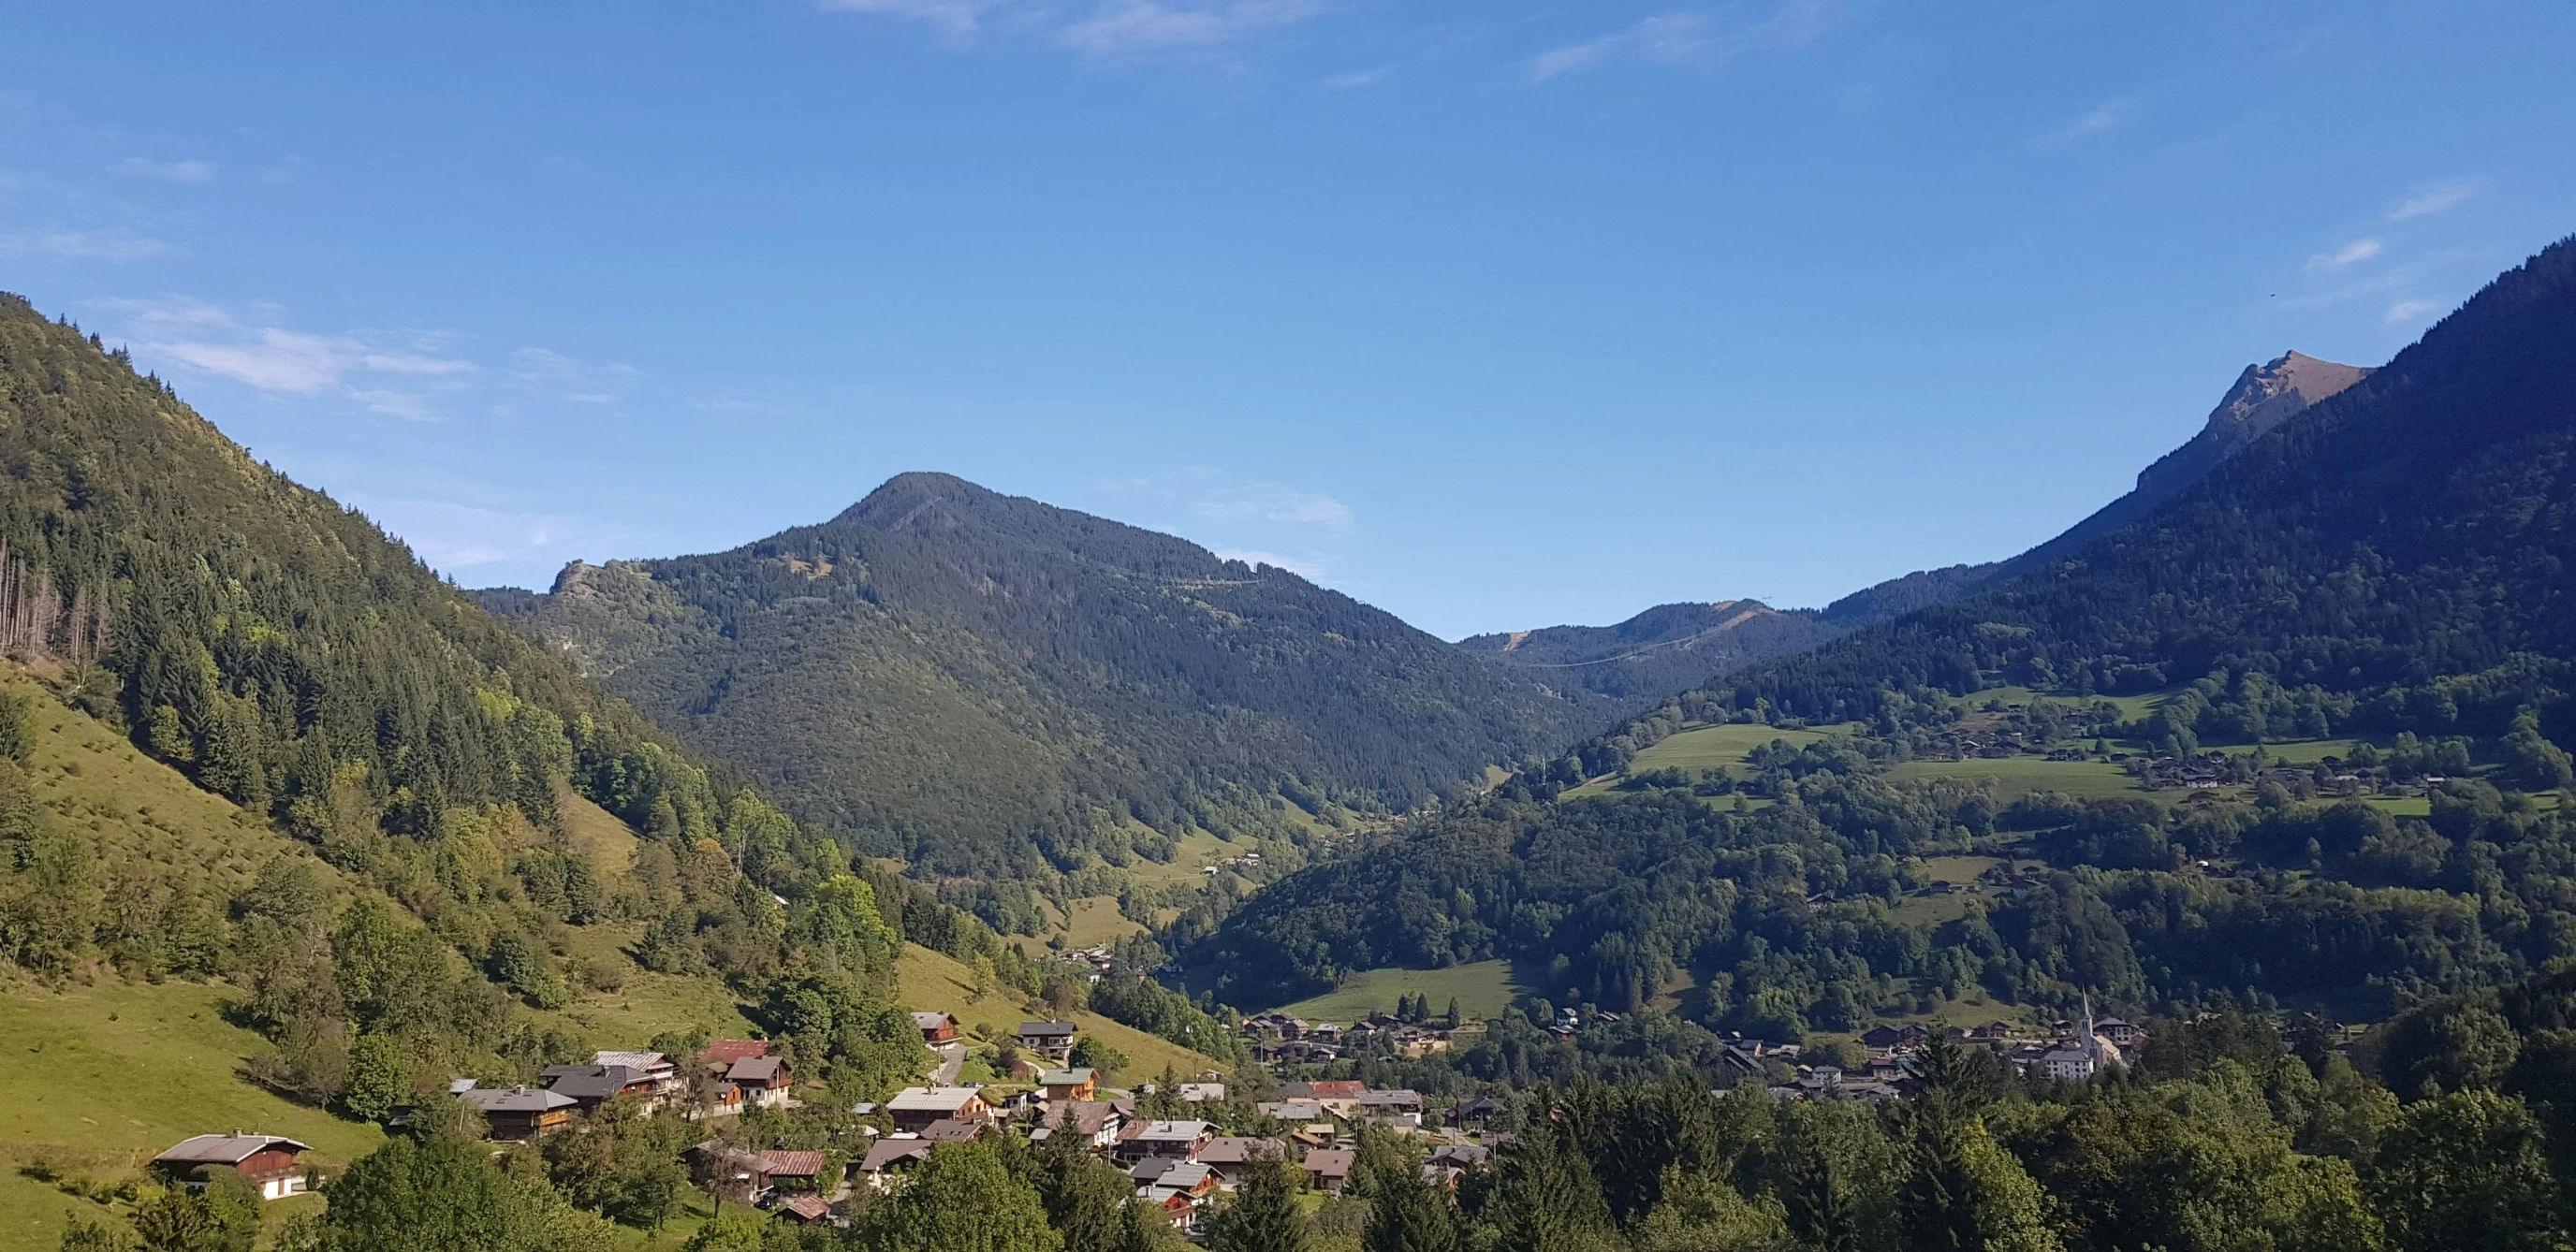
(1263, 1217)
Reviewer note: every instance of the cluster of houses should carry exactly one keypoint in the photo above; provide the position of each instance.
(1180, 1165)
(1286, 1039)
(737, 1073)
(2070, 1051)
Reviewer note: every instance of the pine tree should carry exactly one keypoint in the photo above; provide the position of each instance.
(1263, 1217)
(1408, 1214)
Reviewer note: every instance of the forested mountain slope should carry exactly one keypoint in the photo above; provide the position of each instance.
(1674, 647)
(1665, 649)
(2264, 396)
(982, 683)
(2403, 545)
(2392, 566)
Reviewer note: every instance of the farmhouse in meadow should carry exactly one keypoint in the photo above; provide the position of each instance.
(266, 1162)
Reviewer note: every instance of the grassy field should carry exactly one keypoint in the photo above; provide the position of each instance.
(2025, 775)
(928, 980)
(99, 1079)
(1483, 989)
(1707, 747)
(1095, 920)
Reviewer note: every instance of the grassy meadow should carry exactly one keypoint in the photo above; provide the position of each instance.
(1483, 989)
(928, 980)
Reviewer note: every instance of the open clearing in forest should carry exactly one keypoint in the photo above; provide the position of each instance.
(1483, 989)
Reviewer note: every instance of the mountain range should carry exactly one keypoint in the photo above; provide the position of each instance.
(1675, 646)
(2387, 576)
(985, 684)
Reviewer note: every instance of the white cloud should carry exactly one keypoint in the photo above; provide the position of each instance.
(1356, 79)
(2353, 253)
(213, 340)
(1112, 29)
(1307, 570)
(2108, 116)
(168, 171)
(1272, 502)
(2432, 199)
(1669, 39)
(2406, 311)
(955, 16)
(1692, 39)
(401, 404)
(84, 245)
(1130, 27)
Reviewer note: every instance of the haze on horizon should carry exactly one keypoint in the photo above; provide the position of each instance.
(1544, 315)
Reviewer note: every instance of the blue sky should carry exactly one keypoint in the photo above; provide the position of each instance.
(1496, 316)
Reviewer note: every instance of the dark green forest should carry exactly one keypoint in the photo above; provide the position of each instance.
(282, 651)
(2405, 544)
(983, 684)
(2392, 564)
(1668, 648)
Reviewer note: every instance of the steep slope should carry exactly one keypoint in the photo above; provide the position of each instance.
(1676, 646)
(2410, 531)
(976, 682)
(1660, 651)
(2395, 563)
(2264, 397)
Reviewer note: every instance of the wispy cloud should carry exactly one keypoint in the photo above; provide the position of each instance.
(251, 348)
(1272, 502)
(955, 16)
(1132, 27)
(2405, 312)
(168, 171)
(83, 245)
(275, 359)
(1107, 29)
(1355, 79)
(570, 378)
(1686, 38)
(1669, 39)
(2433, 199)
(2107, 116)
(2353, 253)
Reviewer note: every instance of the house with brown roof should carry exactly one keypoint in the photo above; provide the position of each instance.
(522, 1114)
(1094, 1124)
(590, 1086)
(1052, 1040)
(720, 1055)
(952, 1130)
(1329, 1169)
(915, 1108)
(888, 1160)
(1179, 1140)
(1231, 1156)
(763, 1081)
(266, 1162)
(795, 1170)
(1069, 1084)
(806, 1210)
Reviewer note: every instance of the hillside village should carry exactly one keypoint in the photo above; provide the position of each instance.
(1184, 1150)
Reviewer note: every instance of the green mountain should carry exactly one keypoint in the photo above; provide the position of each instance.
(1674, 647)
(2387, 572)
(1665, 649)
(981, 683)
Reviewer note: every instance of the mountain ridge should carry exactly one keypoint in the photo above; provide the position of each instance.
(2264, 396)
(1078, 688)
